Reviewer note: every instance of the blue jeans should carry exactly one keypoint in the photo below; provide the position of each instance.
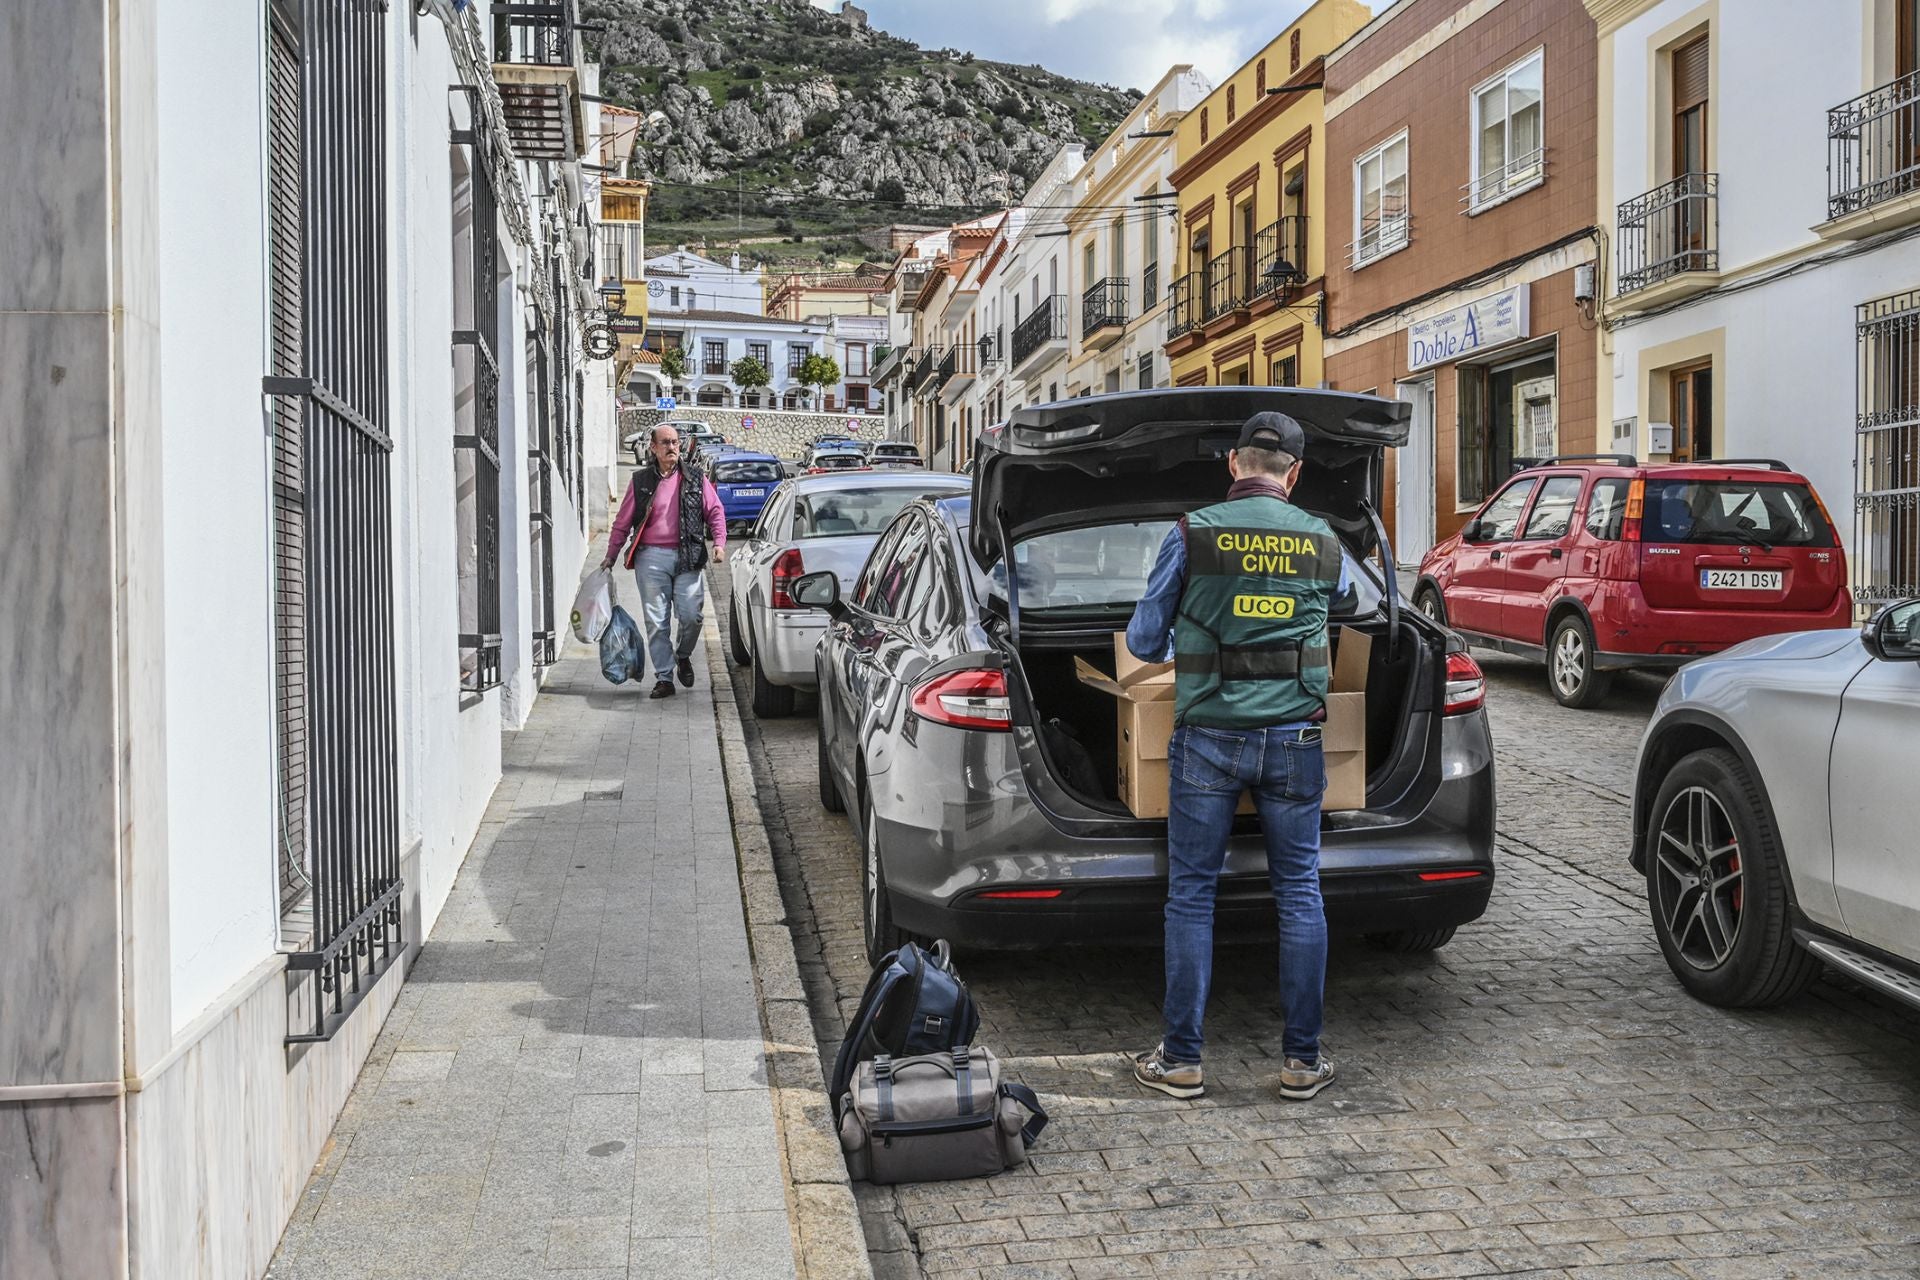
(1207, 769)
(661, 588)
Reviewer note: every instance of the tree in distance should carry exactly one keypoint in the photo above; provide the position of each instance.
(749, 374)
(818, 372)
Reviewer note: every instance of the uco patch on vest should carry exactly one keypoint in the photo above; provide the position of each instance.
(1263, 606)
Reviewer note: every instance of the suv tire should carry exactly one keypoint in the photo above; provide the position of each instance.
(770, 701)
(829, 790)
(735, 641)
(1570, 670)
(1429, 601)
(1710, 815)
(1411, 941)
(876, 912)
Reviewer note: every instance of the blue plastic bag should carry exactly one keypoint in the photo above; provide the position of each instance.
(622, 654)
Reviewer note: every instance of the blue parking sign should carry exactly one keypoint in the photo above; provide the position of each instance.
(665, 402)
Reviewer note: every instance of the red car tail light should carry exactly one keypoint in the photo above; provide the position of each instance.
(1021, 893)
(972, 699)
(1466, 685)
(786, 567)
(1636, 509)
(1450, 875)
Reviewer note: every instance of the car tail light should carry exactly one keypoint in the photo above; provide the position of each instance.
(1451, 875)
(1832, 529)
(1021, 893)
(1636, 508)
(972, 699)
(1466, 685)
(786, 567)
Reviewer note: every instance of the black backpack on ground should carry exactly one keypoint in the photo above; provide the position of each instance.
(914, 1004)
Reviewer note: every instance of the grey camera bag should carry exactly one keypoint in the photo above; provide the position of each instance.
(936, 1117)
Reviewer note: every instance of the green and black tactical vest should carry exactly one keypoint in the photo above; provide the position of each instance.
(1250, 640)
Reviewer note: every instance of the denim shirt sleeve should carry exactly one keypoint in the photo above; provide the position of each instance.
(1150, 634)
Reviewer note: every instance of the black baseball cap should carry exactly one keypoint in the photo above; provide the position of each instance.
(1270, 430)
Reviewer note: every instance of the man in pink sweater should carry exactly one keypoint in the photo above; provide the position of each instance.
(674, 510)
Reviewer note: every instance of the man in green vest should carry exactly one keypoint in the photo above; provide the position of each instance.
(1238, 599)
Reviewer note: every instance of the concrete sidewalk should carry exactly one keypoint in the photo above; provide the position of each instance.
(573, 1081)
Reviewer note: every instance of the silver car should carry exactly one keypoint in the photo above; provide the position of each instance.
(1773, 814)
(810, 523)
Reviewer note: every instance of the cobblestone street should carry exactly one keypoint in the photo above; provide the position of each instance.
(1539, 1097)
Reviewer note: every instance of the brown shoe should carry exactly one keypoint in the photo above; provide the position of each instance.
(662, 689)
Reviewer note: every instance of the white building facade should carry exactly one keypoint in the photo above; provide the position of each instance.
(710, 342)
(297, 424)
(1033, 284)
(683, 281)
(1764, 243)
(1122, 241)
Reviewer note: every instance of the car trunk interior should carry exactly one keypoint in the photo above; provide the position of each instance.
(1077, 724)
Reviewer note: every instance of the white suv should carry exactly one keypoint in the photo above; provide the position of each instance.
(1773, 814)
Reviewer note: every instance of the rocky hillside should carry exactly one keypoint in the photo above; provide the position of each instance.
(807, 111)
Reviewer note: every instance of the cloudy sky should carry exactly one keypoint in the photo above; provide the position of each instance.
(1124, 42)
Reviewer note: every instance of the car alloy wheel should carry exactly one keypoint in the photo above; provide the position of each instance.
(1569, 662)
(1698, 884)
(1570, 669)
(1427, 601)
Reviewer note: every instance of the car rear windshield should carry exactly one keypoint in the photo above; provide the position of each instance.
(1734, 511)
(1108, 566)
(840, 512)
(839, 461)
(746, 472)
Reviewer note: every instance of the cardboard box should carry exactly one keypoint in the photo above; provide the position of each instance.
(1143, 692)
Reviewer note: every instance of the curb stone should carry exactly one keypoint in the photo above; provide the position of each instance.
(829, 1242)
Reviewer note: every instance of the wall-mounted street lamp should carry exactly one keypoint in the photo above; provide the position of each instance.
(613, 299)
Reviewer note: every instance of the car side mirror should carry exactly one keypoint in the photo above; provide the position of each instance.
(819, 590)
(1471, 532)
(1894, 634)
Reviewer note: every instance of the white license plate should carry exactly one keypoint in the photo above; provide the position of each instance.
(749, 493)
(1740, 579)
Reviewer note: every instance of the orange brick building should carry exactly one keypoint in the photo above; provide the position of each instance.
(1460, 242)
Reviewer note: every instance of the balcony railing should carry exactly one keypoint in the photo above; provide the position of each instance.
(714, 368)
(539, 32)
(535, 57)
(1280, 255)
(1509, 179)
(1229, 282)
(948, 364)
(1047, 323)
(958, 366)
(910, 282)
(1873, 147)
(1103, 304)
(1671, 230)
(929, 365)
(1183, 304)
(1380, 239)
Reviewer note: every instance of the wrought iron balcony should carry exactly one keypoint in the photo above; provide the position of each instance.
(928, 366)
(1048, 323)
(1873, 147)
(714, 368)
(1183, 304)
(1103, 306)
(1280, 255)
(536, 58)
(1229, 282)
(956, 370)
(1672, 230)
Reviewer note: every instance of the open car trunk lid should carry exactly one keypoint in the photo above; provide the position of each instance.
(1144, 454)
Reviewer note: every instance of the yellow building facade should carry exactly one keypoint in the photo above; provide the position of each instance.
(1247, 302)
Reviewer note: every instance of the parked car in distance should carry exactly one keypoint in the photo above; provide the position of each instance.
(830, 458)
(744, 481)
(894, 453)
(1769, 814)
(1600, 562)
(982, 774)
(810, 524)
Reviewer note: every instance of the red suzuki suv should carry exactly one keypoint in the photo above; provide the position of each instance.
(1598, 562)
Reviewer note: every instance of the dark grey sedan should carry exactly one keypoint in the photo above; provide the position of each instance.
(981, 772)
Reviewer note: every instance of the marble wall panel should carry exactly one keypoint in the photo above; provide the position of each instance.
(59, 972)
(62, 1189)
(53, 150)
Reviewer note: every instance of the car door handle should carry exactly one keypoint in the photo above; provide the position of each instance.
(1558, 553)
(1495, 555)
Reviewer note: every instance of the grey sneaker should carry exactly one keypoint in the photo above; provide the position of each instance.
(1175, 1079)
(1298, 1081)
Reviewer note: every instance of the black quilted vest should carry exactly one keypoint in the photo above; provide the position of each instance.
(693, 522)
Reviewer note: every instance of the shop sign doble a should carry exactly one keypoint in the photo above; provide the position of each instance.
(1489, 322)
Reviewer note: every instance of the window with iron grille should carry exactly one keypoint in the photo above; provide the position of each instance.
(1886, 554)
(476, 405)
(546, 639)
(1145, 372)
(333, 543)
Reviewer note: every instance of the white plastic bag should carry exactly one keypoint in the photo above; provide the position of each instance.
(593, 606)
